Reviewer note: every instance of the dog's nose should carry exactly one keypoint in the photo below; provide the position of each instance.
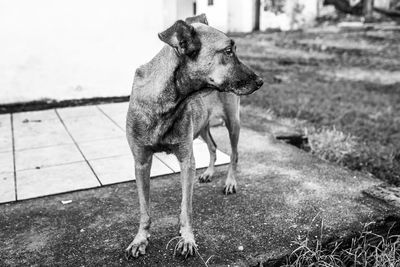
(259, 82)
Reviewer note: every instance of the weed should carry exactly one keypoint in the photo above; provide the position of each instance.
(366, 249)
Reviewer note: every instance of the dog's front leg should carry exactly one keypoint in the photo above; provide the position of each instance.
(143, 160)
(187, 244)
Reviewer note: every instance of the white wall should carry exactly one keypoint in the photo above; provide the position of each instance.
(229, 15)
(176, 9)
(217, 14)
(241, 16)
(309, 12)
(68, 49)
(382, 3)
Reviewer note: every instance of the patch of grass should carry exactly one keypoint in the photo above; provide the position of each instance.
(366, 249)
(347, 150)
(331, 144)
(353, 122)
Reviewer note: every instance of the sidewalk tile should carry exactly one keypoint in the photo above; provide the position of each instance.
(78, 112)
(198, 141)
(5, 133)
(35, 116)
(7, 189)
(121, 169)
(222, 158)
(54, 180)
(115, 108)
(117, 112)
(119, 119)
(6, 162)
(201, 155)
(92, 128)
(40, 134)
(170, 160)
(47, 156)
(105, 148)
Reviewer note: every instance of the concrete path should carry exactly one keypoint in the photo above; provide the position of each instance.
(67, 149)
(284, 194)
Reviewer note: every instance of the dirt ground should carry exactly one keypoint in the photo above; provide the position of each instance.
(349, 81)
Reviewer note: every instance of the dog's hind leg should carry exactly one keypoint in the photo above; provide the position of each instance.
(212, 148)
(143, 160)
(233, 125)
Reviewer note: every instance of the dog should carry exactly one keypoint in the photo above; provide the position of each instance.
(195, 77)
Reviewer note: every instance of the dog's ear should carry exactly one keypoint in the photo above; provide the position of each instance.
(197, 19)
(182, 37)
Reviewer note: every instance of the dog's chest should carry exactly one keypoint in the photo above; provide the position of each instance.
(160, 133)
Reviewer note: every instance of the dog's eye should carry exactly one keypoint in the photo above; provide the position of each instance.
(229, 51)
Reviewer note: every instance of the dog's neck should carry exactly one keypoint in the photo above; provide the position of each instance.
(165, 82)
(162, 89)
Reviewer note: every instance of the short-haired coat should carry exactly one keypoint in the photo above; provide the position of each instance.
(195, 77)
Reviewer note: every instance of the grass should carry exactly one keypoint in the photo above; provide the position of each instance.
(366, 249)
(352, 119)
(331, 144)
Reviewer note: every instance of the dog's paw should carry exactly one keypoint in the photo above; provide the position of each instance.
(206, 176)
(186, 246)
(137, 247)
(230, 187)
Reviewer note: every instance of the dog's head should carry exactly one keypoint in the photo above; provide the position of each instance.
(209, 56)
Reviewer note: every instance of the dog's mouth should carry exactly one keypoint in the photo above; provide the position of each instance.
(244, 91)
(213, 87)
(238, 88)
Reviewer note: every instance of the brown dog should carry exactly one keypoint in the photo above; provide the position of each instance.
(173, 99)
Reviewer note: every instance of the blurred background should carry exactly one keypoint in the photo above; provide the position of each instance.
(82, 49)
(331, 67)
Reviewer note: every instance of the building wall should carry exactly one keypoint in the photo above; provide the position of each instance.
(229, 15)
(309, 12)
(217, 14)
(382, 3)
(176, 9)
(241, 16)
(296, 14)
(78, 48)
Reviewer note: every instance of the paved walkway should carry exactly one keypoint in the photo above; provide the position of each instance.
(284, 195)
(67, 149)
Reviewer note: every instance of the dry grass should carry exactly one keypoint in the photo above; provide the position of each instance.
(367, 250)
(331, 144)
